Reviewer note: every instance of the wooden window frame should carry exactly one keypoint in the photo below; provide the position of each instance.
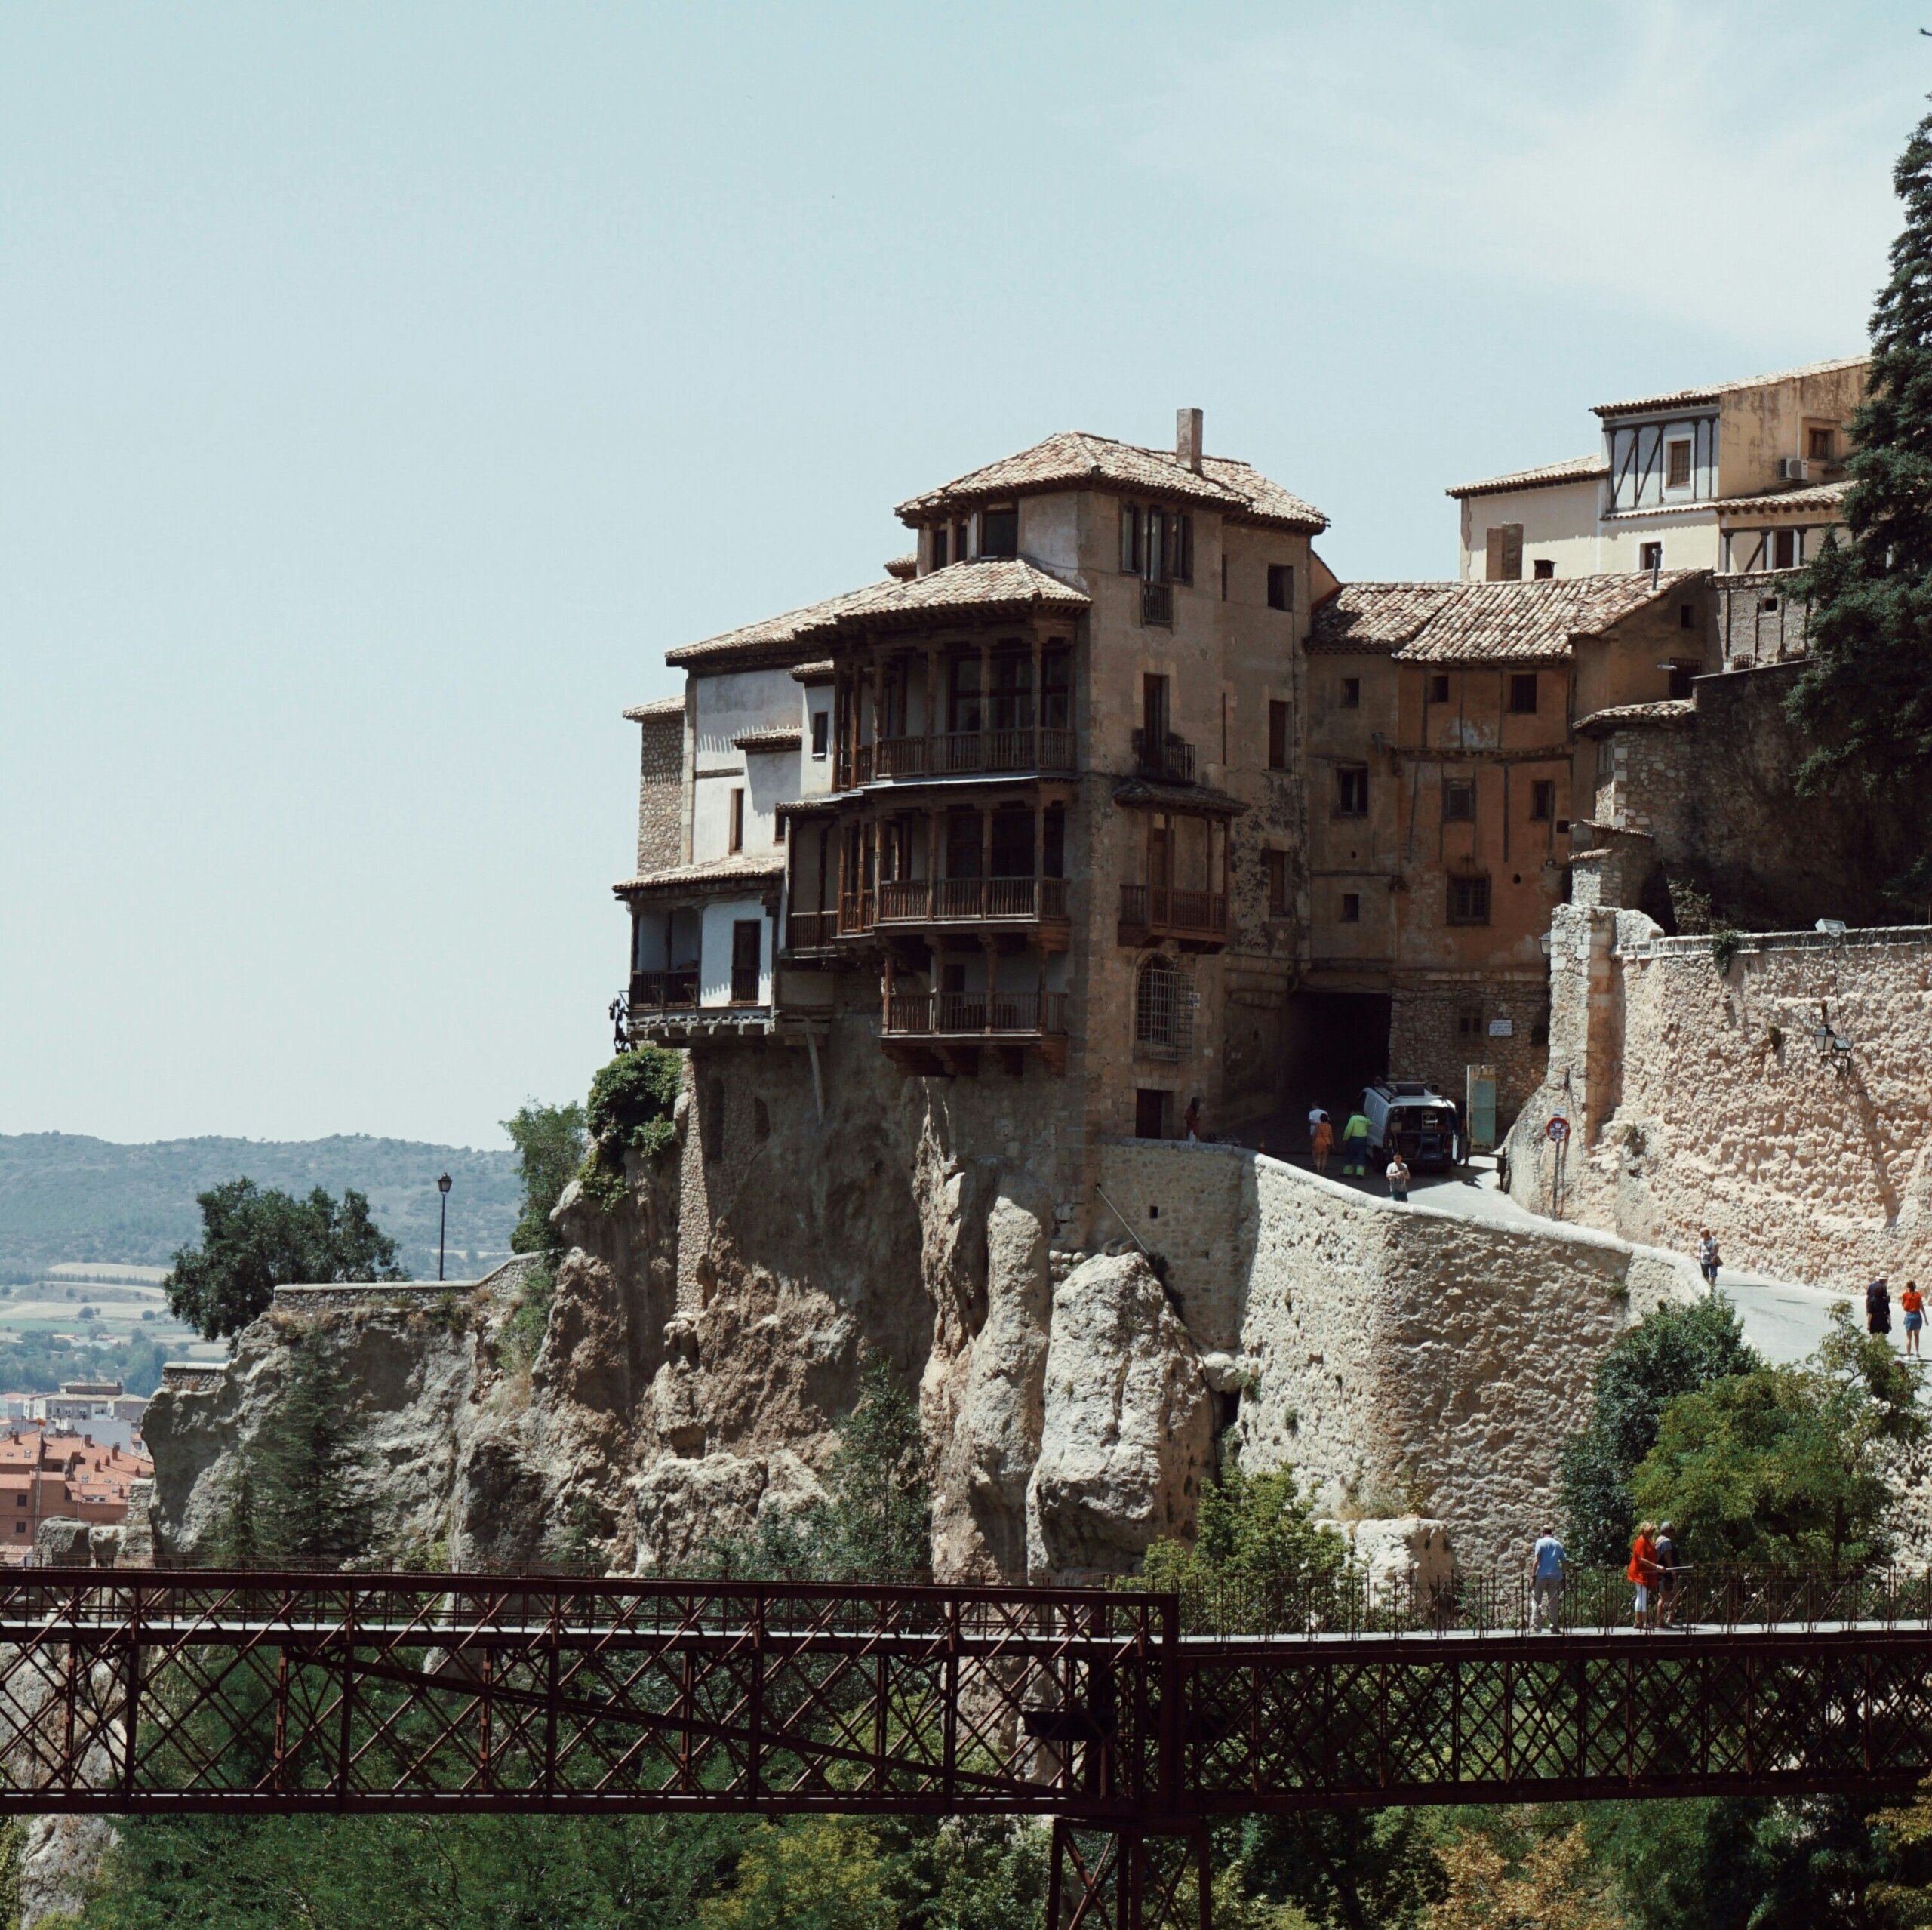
(1522, 682)
(1675, 447)
(1351, 782)
(1279, 727)
(1476, 911)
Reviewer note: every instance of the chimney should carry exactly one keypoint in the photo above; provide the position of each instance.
(1187, 438)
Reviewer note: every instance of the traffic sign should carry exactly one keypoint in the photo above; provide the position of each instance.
(1558, 1129)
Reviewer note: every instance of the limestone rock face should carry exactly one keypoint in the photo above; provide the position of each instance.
(685, 1507)
(1399, 1553)
(58, 1860)
(1127, 1432)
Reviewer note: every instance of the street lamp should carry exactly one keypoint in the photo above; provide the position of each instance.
(443, 1223)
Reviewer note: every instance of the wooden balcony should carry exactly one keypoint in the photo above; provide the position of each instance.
(858, 912)
(664, 991)
(944, 1030)
(809, 931)
(1149, 911)
(1168, 761)
(973, 901)
(664, 1010)
(956, 754)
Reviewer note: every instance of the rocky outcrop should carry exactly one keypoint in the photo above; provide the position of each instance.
(1127, 1432)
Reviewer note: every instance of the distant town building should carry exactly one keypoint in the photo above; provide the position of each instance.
(48, 1473)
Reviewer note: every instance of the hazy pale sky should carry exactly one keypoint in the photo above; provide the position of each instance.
(387, 388)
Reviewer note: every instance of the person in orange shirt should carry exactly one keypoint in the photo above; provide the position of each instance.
(1643, 1569)
(1323, 1142)
(1911, 1303)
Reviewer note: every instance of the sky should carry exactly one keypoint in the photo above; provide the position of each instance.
(387, 388)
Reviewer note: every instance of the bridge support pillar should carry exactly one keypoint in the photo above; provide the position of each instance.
(1128, 1878)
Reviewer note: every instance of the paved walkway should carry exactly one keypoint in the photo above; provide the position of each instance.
(1783, 1319)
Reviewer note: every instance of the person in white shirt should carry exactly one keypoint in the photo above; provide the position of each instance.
(1398, 1176)
(1547, 1563)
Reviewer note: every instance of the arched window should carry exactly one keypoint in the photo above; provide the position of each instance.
(1164, 1000)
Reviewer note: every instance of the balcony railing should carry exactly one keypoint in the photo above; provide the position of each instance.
(1168, 760)
(810, 930)
(974, 1014)
(1157, 603)
(663, 991)
(957, 754)
(1174, 914)
(857, 913)
(971, 900)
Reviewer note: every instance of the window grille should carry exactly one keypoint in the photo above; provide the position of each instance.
(1164, 1001)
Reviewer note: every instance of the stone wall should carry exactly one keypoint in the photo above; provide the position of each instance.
(1758, 621)
(1429, 1036)
(661, 818)
(1405, 1359)
(1697, 1096)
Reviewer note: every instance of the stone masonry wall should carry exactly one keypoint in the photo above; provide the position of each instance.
(1426, 1038)
(660, 792)
(1403, 1358)
(1698, 1096)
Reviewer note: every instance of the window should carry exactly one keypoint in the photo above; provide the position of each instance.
(1469, 1023)
(1158, 544)
(1352, 790)
(1784, 550)
(1280, 586)
(1523, 694)
(1819, 445)
(1681, 675)
(737, 843)
(1351, 907)
(1459, 800)
(940, 558)
(747, 936)
(1163, 1006)
(1468, 901)
(1677, 465)
(1351, 693)
(1687, 616)
(1543, 800)
(1438, 687)
(1129, 538)
(1278, 883)
(1545, 567)
(960, 531)
(821, 732)
(1650, 556)
(1056, 688)
(999, 532)
(1278, 734)
(1224, 576)
(778, 827)
(1503, 558)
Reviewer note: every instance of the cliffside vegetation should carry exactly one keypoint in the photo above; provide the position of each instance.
(632, 1102)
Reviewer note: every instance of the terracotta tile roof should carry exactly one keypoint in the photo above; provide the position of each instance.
(712, 872)
(1708, 397)
(1788, 502)
(1146, 794)
(1481, 622)
(1578, 469)
(1666, 711)
(775, 739)
(1073, 459)
(822, 672)
(903, 567)
(811, 807)
(663, 706)
(774, 637)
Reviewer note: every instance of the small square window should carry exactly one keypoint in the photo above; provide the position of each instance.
(821, 732)
(1351, 693)
(1687, 616)
(1352, 790)
(999, 532)
(1278, 734)
(1650, 556)
(1545, 567)
(1523, 694)
(1677, 460)
(1469, 1023)
(1543, 800)
(1351, 907)
(1280, 587)
(1459, 800)
(1468, 901)
(1563, 827)
(1819, 445)
(1438, 687)
(1278, 883)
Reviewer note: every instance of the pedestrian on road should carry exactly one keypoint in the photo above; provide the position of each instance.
(1666, 1553)
(1355, 1146)
(1708, 1259)
(1548, 1564)
(1190, 1120)
(1398, 1176)
(1911, 1303)
(1643, 1569)
(1322, 1140)
(1878, 1307)
(1315, 1116)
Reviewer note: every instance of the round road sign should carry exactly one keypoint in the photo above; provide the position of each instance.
(1558, 1129)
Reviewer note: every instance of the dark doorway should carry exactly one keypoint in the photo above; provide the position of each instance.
(1150, 1113)
(746, 937)
(1336, 1043)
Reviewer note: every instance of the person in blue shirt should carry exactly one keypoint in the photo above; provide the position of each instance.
(1548, 1566)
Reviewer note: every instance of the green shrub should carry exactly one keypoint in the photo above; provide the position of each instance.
(632, 1102)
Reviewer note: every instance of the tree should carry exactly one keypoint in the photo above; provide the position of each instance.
(1553, 1887)
(1788, 1466)
(879, 1529)
(253, 1241)
(1865, 695)
(1672, 1350)
(549, 1142)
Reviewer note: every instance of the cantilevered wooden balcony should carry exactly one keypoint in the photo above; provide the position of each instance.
(1148, 911)
(950, 1027)
(957, 754)
(973, 901)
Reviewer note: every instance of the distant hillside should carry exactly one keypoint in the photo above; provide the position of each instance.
(66, 1197)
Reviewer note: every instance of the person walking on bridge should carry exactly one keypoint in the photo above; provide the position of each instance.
(1355, 1146)
(1548, 1566)
(1643, 1570)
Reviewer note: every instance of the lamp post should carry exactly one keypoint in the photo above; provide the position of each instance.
(443, 1221)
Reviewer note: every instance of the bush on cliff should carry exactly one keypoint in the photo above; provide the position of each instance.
(550, 1142)
(1673, 1350)
(253, 1241)
(1864, 694)
(632, 1102)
